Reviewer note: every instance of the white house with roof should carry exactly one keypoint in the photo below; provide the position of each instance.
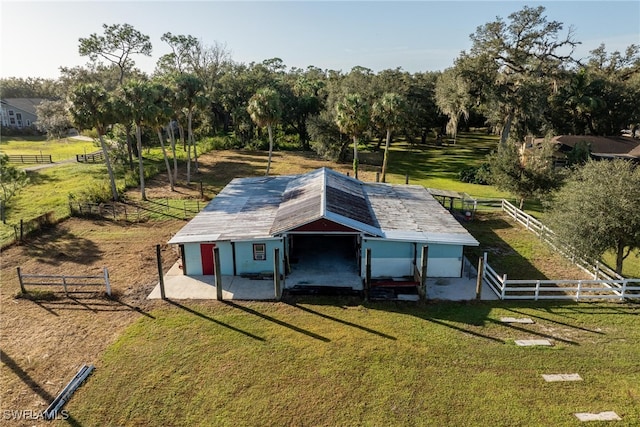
(19, 113)
(323, 223)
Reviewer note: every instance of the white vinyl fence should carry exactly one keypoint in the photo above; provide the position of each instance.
(577, 290)
(595, 268)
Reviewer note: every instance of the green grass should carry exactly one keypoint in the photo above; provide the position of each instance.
(390, 364)
(59, 149)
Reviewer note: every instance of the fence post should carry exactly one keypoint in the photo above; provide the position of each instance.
(579, 289)
(64, 285)
(406, 178)
(160, 273)
(218, 275)
(377, 176)
(479, 279)
(597, 270)
(22, 289)
(201, 191)
(537, 291)
(423, 269)
(21, 229)
(504, 285)
(624, 289)
(276, 273)
(107, 283)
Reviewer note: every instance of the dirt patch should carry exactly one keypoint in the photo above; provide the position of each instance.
(46, 340)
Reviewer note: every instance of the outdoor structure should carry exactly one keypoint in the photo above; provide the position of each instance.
(328, 229)
(19, 113)
(601, 147)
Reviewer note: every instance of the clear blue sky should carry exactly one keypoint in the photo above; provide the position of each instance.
(39, 37)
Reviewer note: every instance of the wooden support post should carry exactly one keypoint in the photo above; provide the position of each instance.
(406, 178)
(218, 274)
(107, 283)
(160, 273)
(367, 278)
(423, 269)
(276, 274)
(479, 280)
(22, 289)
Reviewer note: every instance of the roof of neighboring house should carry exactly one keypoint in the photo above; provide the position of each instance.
(267, 207)
(602, 146)
(25, 104)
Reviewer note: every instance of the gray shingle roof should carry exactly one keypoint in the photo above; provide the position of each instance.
(260, 208)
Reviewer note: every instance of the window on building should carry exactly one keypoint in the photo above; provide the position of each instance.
(11, 112)
(259, 252)
(19, 116)
(12, 120)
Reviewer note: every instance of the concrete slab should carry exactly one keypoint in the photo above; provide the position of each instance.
(601, 416)
(531, 343)
(178, 286)
(561, 377)
(457, 289)
(524, 320)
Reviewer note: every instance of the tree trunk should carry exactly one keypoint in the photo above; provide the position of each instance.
(619, 257)
(140, 163)
(385, 159)
(355, 157)
(166, 159)
(172, 138)
(112, 179)
(507, 128)
(188, 148)
(129, 145)
(270, 148)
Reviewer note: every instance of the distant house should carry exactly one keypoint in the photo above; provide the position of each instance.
(323, 223)
(19, 113)
(601, 147)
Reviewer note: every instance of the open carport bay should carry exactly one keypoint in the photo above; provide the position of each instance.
(326, 261)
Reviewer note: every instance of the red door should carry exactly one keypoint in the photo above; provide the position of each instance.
(206, 254)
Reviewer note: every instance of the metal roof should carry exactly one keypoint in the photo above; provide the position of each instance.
(260, 208)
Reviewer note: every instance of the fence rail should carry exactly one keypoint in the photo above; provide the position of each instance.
(30, 158)
(95, 157)
(68, 283)
(139, 211)
(595, 268)
(588, 289)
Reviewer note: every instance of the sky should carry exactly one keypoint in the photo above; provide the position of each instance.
(37, 38)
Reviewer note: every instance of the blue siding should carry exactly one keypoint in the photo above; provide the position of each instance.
(244, 257)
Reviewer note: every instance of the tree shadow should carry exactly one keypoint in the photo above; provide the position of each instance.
(211, 319)
(276, 321)
(57, 246)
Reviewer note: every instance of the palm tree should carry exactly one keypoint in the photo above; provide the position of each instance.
(162, 115)
(388, 113)
(189, 90)
(265, 109)
(352, 117)
(91, 107)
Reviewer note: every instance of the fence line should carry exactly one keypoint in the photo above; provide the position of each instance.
(95, 157)
(63, 280)
(595, 268)
(30, 158)
(588, 289)
(139, 211)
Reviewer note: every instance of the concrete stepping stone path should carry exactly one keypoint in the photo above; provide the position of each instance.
(561, 377)
(602, 416)
(525, 320)
(531, 343)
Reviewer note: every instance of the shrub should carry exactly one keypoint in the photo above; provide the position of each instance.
(475, 175)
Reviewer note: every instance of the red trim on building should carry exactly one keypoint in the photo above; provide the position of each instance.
(324, 225)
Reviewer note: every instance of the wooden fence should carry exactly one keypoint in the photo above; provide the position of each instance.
(95, 157)
(576, 290)
(30, 158)
(139, 211)
(595, 268)
(70, 284)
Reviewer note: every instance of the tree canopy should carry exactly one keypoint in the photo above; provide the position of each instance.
(599, 210)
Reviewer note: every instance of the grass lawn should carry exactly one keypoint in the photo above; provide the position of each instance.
(59, 149)
(329, 363)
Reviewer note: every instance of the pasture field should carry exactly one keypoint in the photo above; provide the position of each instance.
(59, 149)
(339, 362)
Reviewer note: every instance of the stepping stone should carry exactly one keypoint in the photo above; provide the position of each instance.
(561, 377)
(530, 343)
(516, 320)
(602, 416)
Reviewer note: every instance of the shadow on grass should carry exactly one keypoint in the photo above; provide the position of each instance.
(95, 302)
(33, 385)
(344, 322)
(502, 257)
(55, 246)
(211, 319)
(276, 321)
